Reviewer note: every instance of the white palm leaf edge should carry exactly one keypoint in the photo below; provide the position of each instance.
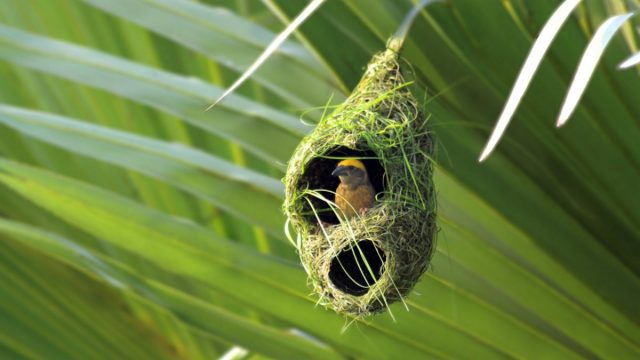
(590, 58)
(269, 50)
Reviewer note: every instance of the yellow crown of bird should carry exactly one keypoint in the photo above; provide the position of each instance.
(352, 162)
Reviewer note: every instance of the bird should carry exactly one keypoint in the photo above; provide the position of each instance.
(355, 194)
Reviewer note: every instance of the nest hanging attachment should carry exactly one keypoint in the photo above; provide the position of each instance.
(361, 264)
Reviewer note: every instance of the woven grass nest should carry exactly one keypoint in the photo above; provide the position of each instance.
(362, 265)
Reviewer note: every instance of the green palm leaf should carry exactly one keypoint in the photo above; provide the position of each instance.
(152, 229)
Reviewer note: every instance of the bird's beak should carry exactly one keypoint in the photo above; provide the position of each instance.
(339, 171)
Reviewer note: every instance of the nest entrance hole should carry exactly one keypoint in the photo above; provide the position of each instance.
(317, 176)
(355, 269)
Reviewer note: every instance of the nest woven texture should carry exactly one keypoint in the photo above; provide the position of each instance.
(391, 245)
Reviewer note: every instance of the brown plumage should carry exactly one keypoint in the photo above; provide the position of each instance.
(355, 194)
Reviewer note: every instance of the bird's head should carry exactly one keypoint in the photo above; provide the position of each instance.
(351, 172)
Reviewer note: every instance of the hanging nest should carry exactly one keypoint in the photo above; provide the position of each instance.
(362, 265)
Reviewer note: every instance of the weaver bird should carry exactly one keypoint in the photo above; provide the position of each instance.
(355, 193)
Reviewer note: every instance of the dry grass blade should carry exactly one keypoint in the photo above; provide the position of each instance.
(588, 64)
(310, 9)
(538, 50)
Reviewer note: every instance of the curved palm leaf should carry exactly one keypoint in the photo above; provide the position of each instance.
(538, 249)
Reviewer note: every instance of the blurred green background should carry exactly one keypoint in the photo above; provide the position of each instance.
(134, 225)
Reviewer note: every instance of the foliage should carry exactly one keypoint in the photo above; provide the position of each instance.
(135, 225)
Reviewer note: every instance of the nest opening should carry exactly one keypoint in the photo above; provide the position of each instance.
(317, 176)
(357, 268)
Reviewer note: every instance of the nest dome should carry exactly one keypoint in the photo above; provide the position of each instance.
(359, 266)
